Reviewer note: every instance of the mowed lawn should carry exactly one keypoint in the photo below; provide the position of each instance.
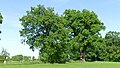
(68, 65)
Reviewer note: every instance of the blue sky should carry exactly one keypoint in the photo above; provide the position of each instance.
(108, 12)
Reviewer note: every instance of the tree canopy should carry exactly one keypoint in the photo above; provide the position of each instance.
(60, 37)
(44, 29)
(85, 29)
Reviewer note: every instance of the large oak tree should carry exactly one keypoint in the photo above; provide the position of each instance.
(44, 29)
(58, 36)
(85, 29)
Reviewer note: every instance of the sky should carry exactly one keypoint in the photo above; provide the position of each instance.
(108, 12)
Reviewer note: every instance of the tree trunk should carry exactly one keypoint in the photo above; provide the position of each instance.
(82, 55)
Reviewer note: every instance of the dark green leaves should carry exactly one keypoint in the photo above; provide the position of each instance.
(112, 39)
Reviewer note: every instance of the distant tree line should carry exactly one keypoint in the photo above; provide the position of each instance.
(22, 58)
(5, 56)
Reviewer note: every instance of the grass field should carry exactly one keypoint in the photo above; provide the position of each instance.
(68, 65)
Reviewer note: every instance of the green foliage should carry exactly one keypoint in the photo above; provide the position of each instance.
(44, 29)
(2, 58)
(26, 58)
(61, 38)
(17, 58)
(85, 27)
(113, 46)
(97, 52)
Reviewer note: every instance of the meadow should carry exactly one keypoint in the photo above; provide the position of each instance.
(67, 65)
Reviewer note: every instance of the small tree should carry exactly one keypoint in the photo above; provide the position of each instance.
(3, 55)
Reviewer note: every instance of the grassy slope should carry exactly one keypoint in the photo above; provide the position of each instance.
(69, 65)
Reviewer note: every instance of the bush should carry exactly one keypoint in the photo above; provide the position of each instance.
(2, 58)
(1, 61)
